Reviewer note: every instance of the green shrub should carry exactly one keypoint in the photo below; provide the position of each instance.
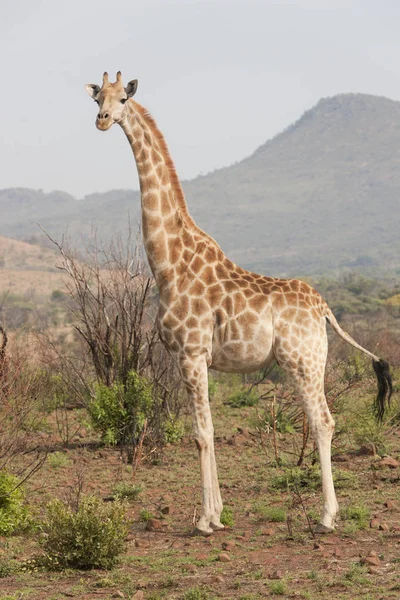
(212, 387)
(13, 512)
(126, 491)
(174, 431)
(227, 517)
(243, 398)
(145, 515)
(119, 412)
(58, 459)
(6, 568)
(297, 477)
(91, 537)
(277, 587)
(358, 514)
(283, 421)
(196, 593)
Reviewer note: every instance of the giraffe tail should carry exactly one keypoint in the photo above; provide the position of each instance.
(381, 367)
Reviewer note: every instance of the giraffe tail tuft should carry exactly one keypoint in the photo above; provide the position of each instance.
(385, 387)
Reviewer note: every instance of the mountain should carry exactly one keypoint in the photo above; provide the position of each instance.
(323, 195)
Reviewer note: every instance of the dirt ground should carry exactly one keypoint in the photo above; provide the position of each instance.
(255, 557)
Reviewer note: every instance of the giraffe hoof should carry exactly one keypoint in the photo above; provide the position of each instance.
(217, 526)
(202, 532)
(323, 529)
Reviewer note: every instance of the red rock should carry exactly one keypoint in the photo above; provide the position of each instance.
(384, 527)
(372, 560)
(153, 524)
(341, 458)
(191, 568)
(372, 553)
(390, 462)
(390, 505)
(243, 431)
(367, 450)
(276, 575)
(217, 579)
(268, 531)
(338, 552)
(228, 546)
(202, 557)
(118, 594)
(317, 546)
(374, 524)
(142, 544)
(374, 571)
(224, 557)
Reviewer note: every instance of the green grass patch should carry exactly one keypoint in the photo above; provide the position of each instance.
(227, 517)
(273, 514)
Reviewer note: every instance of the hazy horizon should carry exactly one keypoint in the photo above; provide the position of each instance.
(219, 77)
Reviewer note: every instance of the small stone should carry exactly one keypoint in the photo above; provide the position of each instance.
(276, 575)
(389, 461)
(202, 557)
(228, 546)
(338, 552)
(243, 431)
(153, 524)
(317, 546)
(390, 505)
(191, 568)
(341, 458)
(118, 594)
(130, 537)
(372, 560)
(374, 571)
(166, 510)
(374, 524)
(142, 544)
(217, 579)
(372, 553)
(384, 527)
(139, 595)
(367, 450)
(224, 557)
(268, 531)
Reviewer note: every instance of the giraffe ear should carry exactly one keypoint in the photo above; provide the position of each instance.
(92, 89)
(131, 88)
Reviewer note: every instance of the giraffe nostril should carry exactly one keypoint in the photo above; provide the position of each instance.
(106, 115)
(98, 116)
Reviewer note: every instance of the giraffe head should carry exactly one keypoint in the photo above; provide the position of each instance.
(111, 98)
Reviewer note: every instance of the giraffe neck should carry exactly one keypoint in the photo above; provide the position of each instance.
(166, 223)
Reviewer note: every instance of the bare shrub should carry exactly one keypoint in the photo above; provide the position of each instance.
(22, 445)
(112, 302)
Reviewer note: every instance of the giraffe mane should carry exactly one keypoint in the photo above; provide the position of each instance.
(173, 175)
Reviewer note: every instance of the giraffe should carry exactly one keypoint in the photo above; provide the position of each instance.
(215, 314)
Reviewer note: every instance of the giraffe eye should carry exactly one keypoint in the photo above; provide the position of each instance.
(123, 100)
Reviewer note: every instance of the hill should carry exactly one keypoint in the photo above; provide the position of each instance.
(321, 196)
(27, 270)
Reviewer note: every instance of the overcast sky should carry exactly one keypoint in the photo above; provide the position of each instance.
(220, 77)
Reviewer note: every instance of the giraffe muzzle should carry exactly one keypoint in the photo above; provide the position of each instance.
(104, 121)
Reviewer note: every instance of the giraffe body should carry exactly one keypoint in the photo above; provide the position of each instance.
(214, 314)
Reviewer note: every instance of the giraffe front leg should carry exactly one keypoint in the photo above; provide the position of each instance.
(195, 376)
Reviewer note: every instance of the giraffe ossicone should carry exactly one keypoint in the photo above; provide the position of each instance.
(214, 314)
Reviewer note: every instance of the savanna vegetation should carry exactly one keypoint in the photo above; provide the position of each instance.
(99, 481)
